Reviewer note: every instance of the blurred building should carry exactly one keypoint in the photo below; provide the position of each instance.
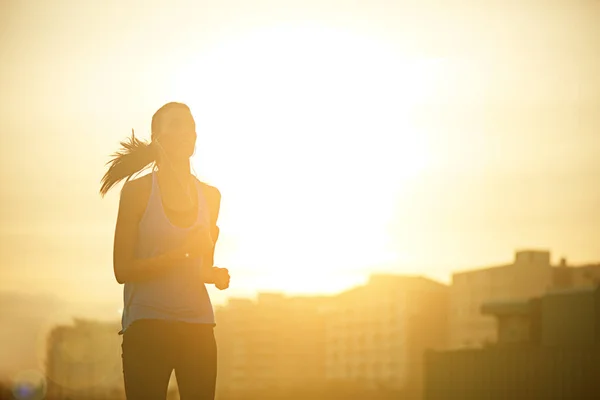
(569, 317)
(548, 347)
(377, 333)
(84, 362)
(273, 343)
(531, 274)
(25, 320)
(566, 276)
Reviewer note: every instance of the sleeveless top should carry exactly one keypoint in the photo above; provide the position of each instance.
(179, 294)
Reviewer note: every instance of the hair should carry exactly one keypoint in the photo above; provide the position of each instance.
(135, 155)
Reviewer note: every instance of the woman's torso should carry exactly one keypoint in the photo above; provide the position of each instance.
(180, 294)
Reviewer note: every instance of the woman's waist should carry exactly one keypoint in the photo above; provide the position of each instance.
(201, 313)
(161, 306)
(187, 299)
(182, 282)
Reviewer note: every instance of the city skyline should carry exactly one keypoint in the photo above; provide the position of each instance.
(29, 317)
(375, 335)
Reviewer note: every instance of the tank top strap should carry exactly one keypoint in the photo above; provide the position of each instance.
(203, 211)
(154, 188)
(154, 199)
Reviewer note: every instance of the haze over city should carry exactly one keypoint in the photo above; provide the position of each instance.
(349, 141)
(346, 139)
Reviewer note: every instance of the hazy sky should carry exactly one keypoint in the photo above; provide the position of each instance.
(346, 137)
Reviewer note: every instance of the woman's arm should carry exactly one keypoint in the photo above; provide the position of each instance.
(128, 268)
(213, 200)
(214, 204)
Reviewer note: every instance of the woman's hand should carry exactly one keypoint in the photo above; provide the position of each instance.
(221, 278)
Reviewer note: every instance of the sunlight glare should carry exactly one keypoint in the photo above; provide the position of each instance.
(306, 131)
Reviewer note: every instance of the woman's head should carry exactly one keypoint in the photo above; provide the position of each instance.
(173, 141)
(174, 131)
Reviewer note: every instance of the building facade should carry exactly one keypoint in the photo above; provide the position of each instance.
(376, 334)
(273, 343)
(531, 274)
(372, 336)
(548, 347)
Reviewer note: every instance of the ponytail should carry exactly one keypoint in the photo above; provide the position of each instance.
(134, 156)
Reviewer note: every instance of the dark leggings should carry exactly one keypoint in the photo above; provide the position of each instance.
(152, 349)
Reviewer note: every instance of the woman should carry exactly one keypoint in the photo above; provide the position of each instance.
(163, 254)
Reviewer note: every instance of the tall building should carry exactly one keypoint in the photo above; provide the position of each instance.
(531, 274)
(84, 362)
(377, 333)
(273, 343)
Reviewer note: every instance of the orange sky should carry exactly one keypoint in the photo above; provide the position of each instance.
(345, 139)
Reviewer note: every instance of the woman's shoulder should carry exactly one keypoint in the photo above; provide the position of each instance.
(209, 190)
(213, 197)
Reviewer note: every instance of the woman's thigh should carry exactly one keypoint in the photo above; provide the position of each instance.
(147, 360)
(196, 362)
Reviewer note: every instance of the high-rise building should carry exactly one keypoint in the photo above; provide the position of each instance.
(377, 333)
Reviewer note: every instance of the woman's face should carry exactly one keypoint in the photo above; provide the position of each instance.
(177, 133)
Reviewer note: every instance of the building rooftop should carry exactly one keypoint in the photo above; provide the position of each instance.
(538, 257)
(392, 279)
(480, 269)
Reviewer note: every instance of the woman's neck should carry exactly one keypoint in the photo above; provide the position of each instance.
(177, 182)
(177, 169)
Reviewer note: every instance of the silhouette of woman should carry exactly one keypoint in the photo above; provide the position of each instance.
(163, 254)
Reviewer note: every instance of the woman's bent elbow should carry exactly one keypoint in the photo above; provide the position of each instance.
(120, 277)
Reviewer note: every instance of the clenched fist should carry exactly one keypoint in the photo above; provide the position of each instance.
(221, 278)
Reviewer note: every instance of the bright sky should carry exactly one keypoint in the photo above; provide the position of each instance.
(345, 139)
